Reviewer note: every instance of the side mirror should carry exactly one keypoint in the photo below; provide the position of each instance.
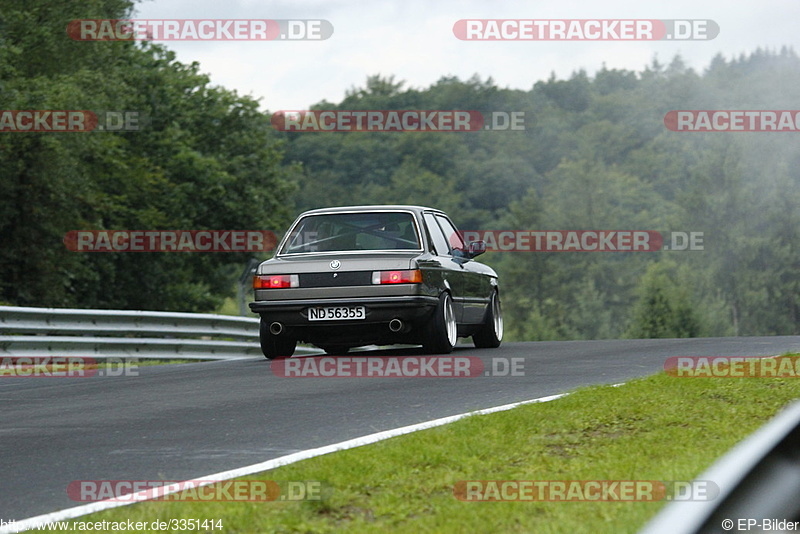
(476, 248)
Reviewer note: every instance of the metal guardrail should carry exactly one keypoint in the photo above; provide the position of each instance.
(759, 482)
(28, 332)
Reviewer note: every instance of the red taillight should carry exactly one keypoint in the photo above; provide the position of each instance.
(397, 277)
(276, 281)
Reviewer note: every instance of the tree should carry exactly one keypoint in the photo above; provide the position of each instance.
(664, 309)
(204, 158)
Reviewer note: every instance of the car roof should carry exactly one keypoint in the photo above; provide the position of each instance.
(376, 207)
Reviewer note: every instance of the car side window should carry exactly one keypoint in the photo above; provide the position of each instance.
(440, 245)
(454, 240)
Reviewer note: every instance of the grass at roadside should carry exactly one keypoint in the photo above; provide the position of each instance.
(656, 428)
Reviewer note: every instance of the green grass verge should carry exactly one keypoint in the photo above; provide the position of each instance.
(655, 428)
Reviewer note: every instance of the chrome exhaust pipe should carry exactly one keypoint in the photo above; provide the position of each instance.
(395, 325)
(275, 328)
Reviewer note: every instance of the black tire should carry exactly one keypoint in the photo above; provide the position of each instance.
(273, 346)
(334, 350)
(441, 332)
(491, 333)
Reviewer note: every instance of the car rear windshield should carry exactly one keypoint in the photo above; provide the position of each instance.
(337, 232)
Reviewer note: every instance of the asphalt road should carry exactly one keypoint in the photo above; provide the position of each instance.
(185, 421)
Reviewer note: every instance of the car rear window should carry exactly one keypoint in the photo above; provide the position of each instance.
(337, 232)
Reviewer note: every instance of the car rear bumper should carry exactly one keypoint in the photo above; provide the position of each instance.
(413, 311)
(378, 309)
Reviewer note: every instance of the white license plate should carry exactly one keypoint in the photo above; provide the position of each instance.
(337, 313)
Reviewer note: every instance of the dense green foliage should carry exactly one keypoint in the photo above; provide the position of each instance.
(595, 154)
(205, 159)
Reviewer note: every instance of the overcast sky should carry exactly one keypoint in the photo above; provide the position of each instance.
(414, 41)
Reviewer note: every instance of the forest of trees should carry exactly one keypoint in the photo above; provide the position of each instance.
(595, 154)
(207, 159)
